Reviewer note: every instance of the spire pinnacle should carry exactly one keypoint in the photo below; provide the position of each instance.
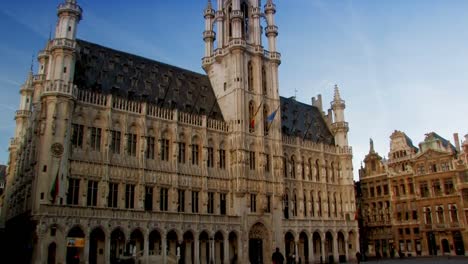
(371, 143)
(209, 5)
(337, 96)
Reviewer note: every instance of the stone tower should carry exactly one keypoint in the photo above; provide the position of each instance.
(244, 77)
(55, 101)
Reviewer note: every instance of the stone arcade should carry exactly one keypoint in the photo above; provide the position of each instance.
(117, 156)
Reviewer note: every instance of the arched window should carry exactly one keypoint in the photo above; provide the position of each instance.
(251, 117)
(265, 120)
(453, 213)
(293, 167)
(332, 172)
(286, 205)
(305, 203)
(295, 204)
(310, 170)
(250, 75)
(335, 205)
(303, 168)
(312, 204)
(319, 204)
(285, 166)
(245, 21)
(317, 170)
(228, 19)
(264, 80)
(428, 216)
(326, 171)
(440, 215)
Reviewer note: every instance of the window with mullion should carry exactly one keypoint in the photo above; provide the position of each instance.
(77, 135)
(115, 142)
(195, 153)
(181, 156)
(73, 192)
(210, 158)
(96, 138)
(164, 149)
(129, 196)
(113, 195)
(92, 193)
(150, 147)
(131, 144)
(222, 159)
(163, 199)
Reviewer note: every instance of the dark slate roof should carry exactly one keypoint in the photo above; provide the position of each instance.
(298, 119)
(445, 142)
(409, 142)
(105, 70)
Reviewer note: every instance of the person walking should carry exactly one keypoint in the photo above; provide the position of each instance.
(358, 257)
(277, 257)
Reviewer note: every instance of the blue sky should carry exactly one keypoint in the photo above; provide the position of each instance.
(399, 64)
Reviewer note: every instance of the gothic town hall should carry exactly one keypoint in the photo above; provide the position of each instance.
(122, 158)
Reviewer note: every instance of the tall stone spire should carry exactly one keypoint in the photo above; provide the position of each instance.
(340, 126)
(337, 96)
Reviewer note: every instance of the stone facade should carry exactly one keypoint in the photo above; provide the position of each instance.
(415, 202)
(138, 166)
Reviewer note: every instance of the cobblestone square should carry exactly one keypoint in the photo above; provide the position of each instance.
(445, 260)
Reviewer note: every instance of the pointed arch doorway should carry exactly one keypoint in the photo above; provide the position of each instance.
(259, 241)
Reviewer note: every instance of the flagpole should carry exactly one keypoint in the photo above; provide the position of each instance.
(271, 123)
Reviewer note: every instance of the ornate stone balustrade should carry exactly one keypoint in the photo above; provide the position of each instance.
(70, 7)
(126, 105)
(237, 42)
(209, 35)
(273, 30)
(92, 98)
(42, 54)
(23, 113)
(60, 87)
(126, 214)
(63, 43)
(236, 14)
(340, 126)
(39, 78)
(307, 144)
(190, 119)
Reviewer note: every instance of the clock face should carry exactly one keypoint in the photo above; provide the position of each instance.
(56, 149)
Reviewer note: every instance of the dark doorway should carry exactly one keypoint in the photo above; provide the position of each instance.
(96, 246)
(431, 244)
(458, 242)
(51, 253)
(445, 246)
(256, 251)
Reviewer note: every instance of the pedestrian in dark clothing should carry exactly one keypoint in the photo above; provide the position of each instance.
(277, 257)
(358, 257)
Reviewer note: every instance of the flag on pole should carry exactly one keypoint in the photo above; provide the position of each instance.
(271, 117)
(55, 188)
(252, 121)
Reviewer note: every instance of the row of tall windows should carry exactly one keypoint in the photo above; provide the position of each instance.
(132, 143)
(214, 199)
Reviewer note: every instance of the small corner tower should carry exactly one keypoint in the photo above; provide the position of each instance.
(24, 112)
(57, 100)
(340, 128)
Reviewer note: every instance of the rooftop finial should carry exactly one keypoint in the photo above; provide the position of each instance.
(32, 63)
(337, 96)
(371, 146)
(209, 6)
